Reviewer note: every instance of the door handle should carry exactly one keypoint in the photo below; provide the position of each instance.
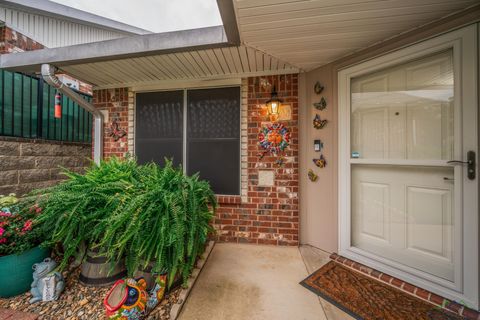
(471, 167)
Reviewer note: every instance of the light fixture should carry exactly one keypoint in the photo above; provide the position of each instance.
(273, 105)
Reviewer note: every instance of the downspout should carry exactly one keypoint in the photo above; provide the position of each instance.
(48, 74)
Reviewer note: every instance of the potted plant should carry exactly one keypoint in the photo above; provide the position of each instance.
(19, 246)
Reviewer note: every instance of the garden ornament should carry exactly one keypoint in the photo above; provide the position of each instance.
(128, 299)
(47, 284)
(115, 132)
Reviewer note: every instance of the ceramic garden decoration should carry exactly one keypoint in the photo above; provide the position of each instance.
(129, 300)
(47, 283)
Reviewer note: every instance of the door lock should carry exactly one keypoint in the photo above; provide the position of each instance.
(471, 170)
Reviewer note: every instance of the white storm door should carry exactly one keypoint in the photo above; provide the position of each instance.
(406, 208)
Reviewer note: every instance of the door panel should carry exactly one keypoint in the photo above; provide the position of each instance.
(405, 214)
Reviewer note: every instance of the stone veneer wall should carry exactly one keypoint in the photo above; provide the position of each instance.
(266, 212)
(31, 164)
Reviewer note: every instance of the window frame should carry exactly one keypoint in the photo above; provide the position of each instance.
(185, 123)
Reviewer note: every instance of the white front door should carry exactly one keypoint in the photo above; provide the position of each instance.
(406, 206)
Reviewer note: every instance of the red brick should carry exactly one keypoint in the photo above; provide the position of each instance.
(422, 293)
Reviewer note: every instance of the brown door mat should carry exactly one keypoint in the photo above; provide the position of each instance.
(363, 297)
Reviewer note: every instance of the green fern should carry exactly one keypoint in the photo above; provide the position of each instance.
(145, 214)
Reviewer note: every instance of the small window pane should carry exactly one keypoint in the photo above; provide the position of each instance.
(213, 137)
(405, 112)
(159, 127)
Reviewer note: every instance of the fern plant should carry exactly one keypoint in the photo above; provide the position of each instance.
(145, 214)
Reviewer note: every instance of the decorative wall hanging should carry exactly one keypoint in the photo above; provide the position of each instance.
(319, 123)
(115, 132)
(321, 105)
(274, 138)
(321, 162)
(312, 176)
(318, 88)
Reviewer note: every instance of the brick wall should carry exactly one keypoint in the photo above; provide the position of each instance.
(31, 164)
(13, 41)
(114, 103)
(266, 212)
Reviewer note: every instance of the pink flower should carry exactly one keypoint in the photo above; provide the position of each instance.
(5, 214)
(2, 231)
(27, 226)
(3, 240)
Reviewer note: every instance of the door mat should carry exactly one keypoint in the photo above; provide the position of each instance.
(365, 298)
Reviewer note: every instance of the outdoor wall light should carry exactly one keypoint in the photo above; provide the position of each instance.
(273, 105)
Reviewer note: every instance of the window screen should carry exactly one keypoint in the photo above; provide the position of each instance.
(213, 137)
(159, 127)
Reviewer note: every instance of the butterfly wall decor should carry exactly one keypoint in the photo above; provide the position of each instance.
(318, 87)
(312, 176)
(115, 132)
(320, 162)
(318, 123)
(321, 105)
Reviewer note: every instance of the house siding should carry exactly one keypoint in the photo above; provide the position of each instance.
(261, 214)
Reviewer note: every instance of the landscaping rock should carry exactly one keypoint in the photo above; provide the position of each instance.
(80, 303)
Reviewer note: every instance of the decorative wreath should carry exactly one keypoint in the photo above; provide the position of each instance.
(274, 138)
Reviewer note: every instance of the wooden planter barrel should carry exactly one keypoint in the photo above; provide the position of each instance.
(97, 271)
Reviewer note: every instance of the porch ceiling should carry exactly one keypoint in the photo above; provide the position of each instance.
(311, 33)
(213, 63)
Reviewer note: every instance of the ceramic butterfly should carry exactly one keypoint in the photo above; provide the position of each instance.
(319, 123)
(321, 105)
(321, 162)
(312, 176)
(115, 132)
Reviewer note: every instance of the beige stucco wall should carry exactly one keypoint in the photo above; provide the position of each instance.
(319, 200)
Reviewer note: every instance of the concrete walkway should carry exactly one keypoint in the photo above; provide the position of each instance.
(243, 281)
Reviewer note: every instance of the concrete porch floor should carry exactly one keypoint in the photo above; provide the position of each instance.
(242, 281)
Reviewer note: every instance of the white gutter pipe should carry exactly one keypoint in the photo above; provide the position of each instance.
(48, 74)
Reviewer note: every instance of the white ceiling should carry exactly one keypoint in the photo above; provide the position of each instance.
(192, 65)
(311, 33)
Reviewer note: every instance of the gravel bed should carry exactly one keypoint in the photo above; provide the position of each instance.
(79, 302)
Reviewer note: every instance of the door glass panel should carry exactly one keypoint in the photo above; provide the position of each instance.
(404, 112)
(405, 213)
